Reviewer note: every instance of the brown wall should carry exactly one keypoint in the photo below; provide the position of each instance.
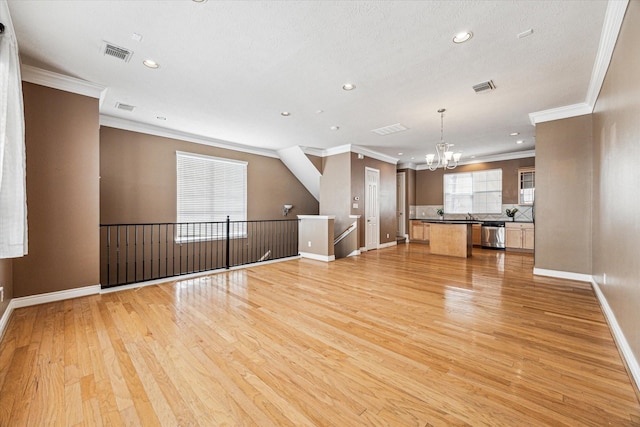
(335, 190)
(386, 194)
(563, 195)
(429, 184)
(616, 205)
(410, 193)
(6, 281)
(317, 161)
(62, 192)
(138, 179)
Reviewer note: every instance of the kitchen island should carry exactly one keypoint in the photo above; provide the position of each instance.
(451, 238)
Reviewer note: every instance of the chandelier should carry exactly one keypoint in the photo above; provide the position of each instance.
(446, 157)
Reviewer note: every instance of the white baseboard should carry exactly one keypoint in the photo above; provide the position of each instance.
(363, 249)
(55, 296)
(318, 257)
(387, 245)
(618, 335)
(562, 274)
(30, 300)
(4, 320)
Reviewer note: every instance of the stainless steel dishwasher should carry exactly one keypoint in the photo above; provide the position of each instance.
(493, 234)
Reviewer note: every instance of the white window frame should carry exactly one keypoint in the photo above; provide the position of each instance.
(190, 189)
(480, 195)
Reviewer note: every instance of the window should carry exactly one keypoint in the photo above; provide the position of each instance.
(473, 192)
(209, 189)
(526, 185)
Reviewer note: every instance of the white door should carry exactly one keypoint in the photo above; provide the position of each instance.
(372, 208)
(400, 202)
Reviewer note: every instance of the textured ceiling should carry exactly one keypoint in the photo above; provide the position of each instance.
(228, 68)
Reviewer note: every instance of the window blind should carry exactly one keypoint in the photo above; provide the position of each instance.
(209, 189)
(473, 192)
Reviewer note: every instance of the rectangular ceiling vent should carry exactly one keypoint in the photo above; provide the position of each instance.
(390, 129)
(484, 86)
(125, 107)
(109, 49)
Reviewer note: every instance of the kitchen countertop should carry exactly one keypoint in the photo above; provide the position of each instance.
(447, 221)
(463, 221)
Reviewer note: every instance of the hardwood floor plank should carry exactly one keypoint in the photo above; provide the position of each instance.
(391, 337)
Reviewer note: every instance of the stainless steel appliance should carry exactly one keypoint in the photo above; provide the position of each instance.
(493, 234)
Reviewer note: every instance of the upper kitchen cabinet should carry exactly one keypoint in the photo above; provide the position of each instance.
(526, 185)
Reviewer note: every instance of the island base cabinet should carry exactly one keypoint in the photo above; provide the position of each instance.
(419, 231)
(519, 236)
(476, 232)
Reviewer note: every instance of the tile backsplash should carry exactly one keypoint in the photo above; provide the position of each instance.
(524, 214)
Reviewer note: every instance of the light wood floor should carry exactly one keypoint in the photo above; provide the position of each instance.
(392, 337)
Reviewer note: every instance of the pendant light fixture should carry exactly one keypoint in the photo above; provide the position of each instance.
(446, 157)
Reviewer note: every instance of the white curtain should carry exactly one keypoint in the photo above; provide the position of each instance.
(13, 197)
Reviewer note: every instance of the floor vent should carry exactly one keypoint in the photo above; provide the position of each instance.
(125, 107)
(390, 129)
(109, 49)
(484, 86)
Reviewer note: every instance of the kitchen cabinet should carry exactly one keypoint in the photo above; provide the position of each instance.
(520, 236)
(476, 234)
(419, 231)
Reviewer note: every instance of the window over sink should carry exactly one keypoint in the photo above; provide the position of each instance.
(473, 192)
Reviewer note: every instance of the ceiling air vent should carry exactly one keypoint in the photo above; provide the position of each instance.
(484, 86)
(390, 129)
(125, 107)
(109, 49)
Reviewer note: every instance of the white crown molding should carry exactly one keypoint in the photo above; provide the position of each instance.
(119, 123)
(312, 151)
(496, 158)
(565, 112)
(500, 157)
(407, 165)
(59, 81)
(374, 154)
(358, 150)
(613, 18)
(618, 335)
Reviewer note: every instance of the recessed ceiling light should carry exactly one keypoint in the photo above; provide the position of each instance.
(319, 111)
(285, 114)
(334, 127)
(137, 37)
(161, 118)
(520, 141)
(199, 1)
(348, 86)
(150, 63)
(514, 133)
(400, 154)
(462, 37)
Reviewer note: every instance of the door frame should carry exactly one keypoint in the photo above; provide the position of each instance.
(368, 243)
(401, 197)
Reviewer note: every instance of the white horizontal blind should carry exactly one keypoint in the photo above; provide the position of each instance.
(209, 189)
(473, 192)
